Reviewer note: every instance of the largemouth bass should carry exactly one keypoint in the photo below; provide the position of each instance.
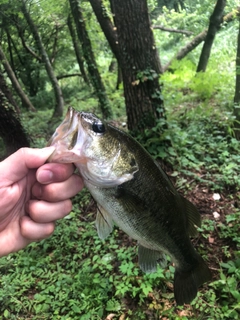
(133, 192)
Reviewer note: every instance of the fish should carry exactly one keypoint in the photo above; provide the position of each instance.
(134, 193)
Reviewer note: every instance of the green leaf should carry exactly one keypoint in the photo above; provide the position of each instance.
(6, 313)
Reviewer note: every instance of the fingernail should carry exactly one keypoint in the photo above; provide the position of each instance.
(37, 191)
(45, 176)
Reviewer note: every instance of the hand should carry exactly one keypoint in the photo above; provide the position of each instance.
(32, 196)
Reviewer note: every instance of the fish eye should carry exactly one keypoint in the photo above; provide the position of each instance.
(98, 127)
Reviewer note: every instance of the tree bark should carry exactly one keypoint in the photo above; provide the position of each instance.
(77, 50)
(199, 38)
(58, 111)
(237, 90)
(25, 101)
(11, 129)
(140, 65)
(215, 22)
(90, 59)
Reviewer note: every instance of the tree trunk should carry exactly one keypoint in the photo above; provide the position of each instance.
(25, 101)
(237, 90)
(11, 130)
(58, 112)
(139, 63)
(119, 76)
(106, 25)
(199, 38)
(77, 49)
(215, 22)
(90, 59)
(8, 94)
(10, 50)
(109, 31)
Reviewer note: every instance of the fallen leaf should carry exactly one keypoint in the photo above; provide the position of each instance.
(110, 316)
(122, 317)
(211, 240)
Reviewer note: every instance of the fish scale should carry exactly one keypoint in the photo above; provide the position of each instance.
(133, 192)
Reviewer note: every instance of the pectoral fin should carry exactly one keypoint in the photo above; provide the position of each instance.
(104, 223)
(148, 259)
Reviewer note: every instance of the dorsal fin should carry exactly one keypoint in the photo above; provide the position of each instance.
(193, 217)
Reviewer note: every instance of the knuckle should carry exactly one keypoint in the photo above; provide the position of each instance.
(33, 210)
(50, 192)
(49, 229)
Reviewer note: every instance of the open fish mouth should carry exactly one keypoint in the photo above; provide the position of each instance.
(67, 139)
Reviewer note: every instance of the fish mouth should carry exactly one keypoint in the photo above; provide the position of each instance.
(67, 139)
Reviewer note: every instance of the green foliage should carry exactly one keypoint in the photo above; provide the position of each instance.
(200, 125)
(230, 229)
(73, 279)
(224, 290)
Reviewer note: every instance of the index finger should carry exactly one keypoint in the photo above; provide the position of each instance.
(54, 172)
(17, 165)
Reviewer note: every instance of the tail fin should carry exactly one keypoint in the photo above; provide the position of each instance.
(186, 283)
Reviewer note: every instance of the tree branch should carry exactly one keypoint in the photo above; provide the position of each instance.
(187, 33)
(29, 50)
(61, 76)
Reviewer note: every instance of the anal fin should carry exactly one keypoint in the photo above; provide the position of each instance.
(104, 223)
(148, 259)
